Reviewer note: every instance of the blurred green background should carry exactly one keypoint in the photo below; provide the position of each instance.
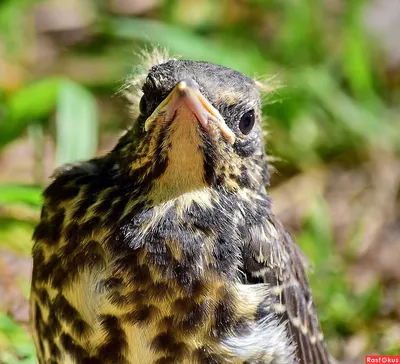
(334, 132)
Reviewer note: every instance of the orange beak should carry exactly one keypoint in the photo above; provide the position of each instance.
(186, 94)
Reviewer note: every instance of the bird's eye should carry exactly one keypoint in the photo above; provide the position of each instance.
(143, 106)
(247, 122)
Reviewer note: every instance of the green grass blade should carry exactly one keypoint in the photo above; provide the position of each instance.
(34, 102)
(77, 124)
(16, 194)
(16, 341)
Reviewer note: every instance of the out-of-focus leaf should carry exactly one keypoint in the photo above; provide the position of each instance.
(15, 340)
(10, 194)
(11, 25)
(298, 35)
(371, 124)
(370, 302)
(184, 42)
(32, 103)
(77, 123)
(356, 51)
(317, 237)
(16, 236)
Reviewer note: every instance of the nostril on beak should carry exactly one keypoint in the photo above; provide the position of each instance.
(187, 83)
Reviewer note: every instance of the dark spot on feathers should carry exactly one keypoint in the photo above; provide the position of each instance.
(45, 270)
(117, 299)
(220, 179)
(98, 184)
(141, 314)
(44, 297)
(166, 360)
(89, 227)
(194, 317)
(87, 256)
(116, 210)
(209, 169)
(92, 360)
(183, 274)
(41, 231)
(53, 324)
(166, 323)
(203, 355)
(61, 189)
(115, 341)
(95, 253)
(54, 351)
(128, 263)
(166, 342)
(38, 257)
(64, 311)
(224, 316)
(84, 180)
(84, 204)
(49, 231)
(58, 276)
(142, 275)
(38, 318)
(244, 179)
(181, 305)
(80, 328)
(72, 238)
(103, 207)
(158, 290)
(73, 348)
(111, 283)
(199, 289)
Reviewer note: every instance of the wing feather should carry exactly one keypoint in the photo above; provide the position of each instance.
(271, 256)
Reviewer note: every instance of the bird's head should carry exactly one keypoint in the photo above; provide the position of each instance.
(198, 125)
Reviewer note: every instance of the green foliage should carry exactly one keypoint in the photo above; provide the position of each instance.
(188, 44)
(344, 311)
(15, 235)
(33, 103)
(15, 344)
(76, 118)
(76, 124)
(17, 194)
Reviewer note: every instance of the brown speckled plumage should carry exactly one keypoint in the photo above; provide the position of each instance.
(165, 250)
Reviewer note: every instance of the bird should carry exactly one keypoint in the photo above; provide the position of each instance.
(166, 249)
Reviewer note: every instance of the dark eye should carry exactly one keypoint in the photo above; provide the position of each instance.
(247, 122)
(143, 106)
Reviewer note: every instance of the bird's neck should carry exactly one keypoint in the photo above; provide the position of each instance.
(184, 172)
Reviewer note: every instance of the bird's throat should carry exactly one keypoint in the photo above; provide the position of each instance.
(185, 168)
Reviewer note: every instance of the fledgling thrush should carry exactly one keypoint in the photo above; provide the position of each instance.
(165, 250)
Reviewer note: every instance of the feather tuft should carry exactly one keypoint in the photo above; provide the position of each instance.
(268, 86)
(145, 60)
